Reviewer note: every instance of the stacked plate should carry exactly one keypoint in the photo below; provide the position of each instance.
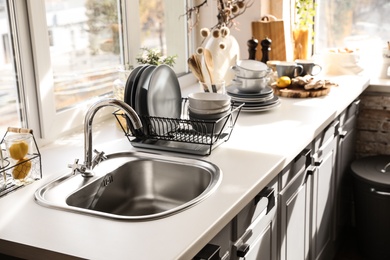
(154, 91)
(262, 100)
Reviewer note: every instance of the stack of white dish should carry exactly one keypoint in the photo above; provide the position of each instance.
(251, 86)
(209, 108)
(251, 76)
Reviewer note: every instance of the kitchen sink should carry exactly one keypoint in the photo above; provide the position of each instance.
(134, 186)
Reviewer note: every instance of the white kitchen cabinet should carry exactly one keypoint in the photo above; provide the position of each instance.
(251, 235)
(256, 227)
(324, 165)
(295, 208)
(343, 182)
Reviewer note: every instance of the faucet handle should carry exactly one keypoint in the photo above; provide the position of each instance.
(99, 157)
(76, 167)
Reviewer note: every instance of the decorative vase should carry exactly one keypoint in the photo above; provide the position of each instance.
(225, 52)
(302, 43)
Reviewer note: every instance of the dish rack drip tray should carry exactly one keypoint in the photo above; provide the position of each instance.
(184, 135)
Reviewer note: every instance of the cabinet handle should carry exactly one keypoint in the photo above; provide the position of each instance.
(243, 250)
(356, 103)
(306, 153)
(342, 134)
(380, 192)
(309, 172)
(209, 252)
(268, 193)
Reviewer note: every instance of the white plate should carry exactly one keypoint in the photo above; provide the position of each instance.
(136, 85)
(261, 109)
(141, 97)
(233, 91)
(164, 94)
(129, 85)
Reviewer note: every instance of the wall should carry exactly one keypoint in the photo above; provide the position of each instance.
(373, 135)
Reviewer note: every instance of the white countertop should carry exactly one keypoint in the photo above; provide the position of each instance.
(261, 145)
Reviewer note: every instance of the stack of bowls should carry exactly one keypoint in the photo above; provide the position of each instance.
(251, 76)
(208, 108)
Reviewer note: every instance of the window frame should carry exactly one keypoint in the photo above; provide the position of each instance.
(52, 123)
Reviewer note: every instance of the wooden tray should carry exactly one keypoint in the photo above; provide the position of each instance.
(300, 92)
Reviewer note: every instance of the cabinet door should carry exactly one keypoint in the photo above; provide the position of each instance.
(323, 201)
(295, 201)
(343, 184)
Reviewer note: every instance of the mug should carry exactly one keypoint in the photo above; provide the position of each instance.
(290, 69)
(309, 67)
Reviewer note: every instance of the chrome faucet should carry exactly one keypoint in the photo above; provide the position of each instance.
(86, 168)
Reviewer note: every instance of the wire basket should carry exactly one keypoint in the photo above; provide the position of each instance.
(185, 134)
(8, 166)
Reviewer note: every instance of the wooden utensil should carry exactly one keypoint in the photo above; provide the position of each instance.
(208, 58)
(196, 69)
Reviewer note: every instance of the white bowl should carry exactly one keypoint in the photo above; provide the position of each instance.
(246, 85)
(209, 111)
(206, 101)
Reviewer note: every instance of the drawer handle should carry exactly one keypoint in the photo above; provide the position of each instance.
(243, 250)
(268, 193)
(380, 192)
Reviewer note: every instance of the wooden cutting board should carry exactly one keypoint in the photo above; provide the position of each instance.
(299, 92)
(273, 29)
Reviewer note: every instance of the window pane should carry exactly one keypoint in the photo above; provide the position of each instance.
(362, 24)
(152, 25)
(9, 101)
(84, 49)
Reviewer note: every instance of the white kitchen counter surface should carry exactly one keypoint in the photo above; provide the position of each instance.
(261, 145)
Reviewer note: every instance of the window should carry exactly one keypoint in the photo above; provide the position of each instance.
(355, 24)
(75, 49)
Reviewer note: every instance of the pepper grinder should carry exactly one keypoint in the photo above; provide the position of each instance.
(265, 48)
(252, 48)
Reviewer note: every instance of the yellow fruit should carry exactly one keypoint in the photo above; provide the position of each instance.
(283, 82)
(18, 150)
(22, 169)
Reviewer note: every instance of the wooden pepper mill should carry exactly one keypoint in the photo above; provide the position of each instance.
(265, 48)
(252, 48)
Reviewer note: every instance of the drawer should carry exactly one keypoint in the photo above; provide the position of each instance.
(329, 132)
(350, 111)
(298, 165)
(261, 204)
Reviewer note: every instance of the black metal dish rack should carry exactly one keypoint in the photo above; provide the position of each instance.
(183, 134)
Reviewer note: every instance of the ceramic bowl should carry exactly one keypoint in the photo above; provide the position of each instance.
(209, 111)
(204, 124)
(208, 101)
(251, 69)
(246, 85)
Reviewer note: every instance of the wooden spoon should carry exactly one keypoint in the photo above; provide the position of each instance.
(195, 68)
(208, 58)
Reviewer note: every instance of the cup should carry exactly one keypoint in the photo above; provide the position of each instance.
(309, 67)
(19, 150)
(218, 87)
(272, 64)
(290, 69)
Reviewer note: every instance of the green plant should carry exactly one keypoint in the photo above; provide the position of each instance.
(306, 10)
(154, 57)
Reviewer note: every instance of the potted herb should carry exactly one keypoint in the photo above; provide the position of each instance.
(303, 31)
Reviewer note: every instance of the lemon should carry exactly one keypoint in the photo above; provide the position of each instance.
(283, 82)
(22, 169)
(18, 150)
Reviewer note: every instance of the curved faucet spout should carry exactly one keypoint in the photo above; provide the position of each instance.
(129, 111)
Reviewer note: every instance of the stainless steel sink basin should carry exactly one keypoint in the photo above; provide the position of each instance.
(134, 186)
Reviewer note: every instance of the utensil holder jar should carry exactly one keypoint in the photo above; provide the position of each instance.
(20, 160)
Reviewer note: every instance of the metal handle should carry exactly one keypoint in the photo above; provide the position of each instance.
(268, 193)
(380, 192)
(384, 170)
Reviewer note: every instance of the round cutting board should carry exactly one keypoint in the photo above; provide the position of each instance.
(300, 92)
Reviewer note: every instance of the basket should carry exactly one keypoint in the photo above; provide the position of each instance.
(7, 183)
(184, 135)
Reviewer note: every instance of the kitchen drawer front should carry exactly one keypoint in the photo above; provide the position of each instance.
(328, 133)
(300, 162)
(350, 111)
(263, 202)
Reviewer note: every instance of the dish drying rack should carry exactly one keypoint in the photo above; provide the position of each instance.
(6, 184)
(182, 134)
